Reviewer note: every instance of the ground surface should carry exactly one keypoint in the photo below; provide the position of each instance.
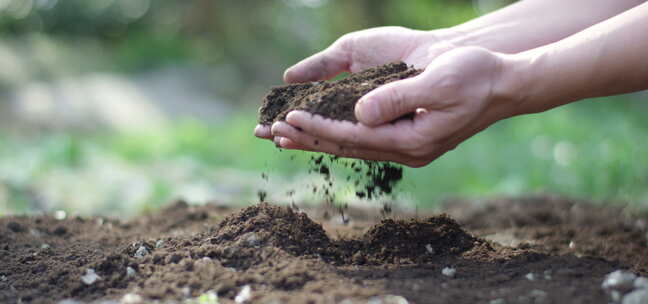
(533, 250)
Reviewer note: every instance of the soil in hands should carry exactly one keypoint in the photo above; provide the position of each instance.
(336, 100)
(289, 256)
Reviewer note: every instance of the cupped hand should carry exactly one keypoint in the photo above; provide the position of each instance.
(360, 50)
(459, 94)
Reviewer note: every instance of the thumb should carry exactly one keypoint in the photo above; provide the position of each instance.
(323, 65)
(391, 101)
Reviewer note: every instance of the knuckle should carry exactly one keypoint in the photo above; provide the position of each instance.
(396, 102)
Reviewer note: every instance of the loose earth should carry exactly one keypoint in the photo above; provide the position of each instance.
(529, 250)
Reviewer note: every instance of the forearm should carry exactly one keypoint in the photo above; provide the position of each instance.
(529, 24)
(606, 59)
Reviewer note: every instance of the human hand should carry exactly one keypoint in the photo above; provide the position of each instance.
(360, 50)
(460, 93)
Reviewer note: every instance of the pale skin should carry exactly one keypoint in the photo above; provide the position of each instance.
(529, 57)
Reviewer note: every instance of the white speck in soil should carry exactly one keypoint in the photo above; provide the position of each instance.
(449, 272)
(530, 276)
(572, 245)
(141, 252)
(89, 277)
(388, 299)
(3, 278)
(45, 246)
(159, 244)
(60, 215)
(131, 298)
(641, 282)
(429, 249)
(497, 301)
(639, 296)
(619, 280)
(130, 271)
(244, 295)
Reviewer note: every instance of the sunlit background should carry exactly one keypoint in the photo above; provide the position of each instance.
(119, 106)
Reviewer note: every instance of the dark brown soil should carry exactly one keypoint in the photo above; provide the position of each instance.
(335, 100)
(289, 256)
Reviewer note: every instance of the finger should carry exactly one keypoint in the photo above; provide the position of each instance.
(327, 147)
(321, 66)
(390, 137)
(391, 101)
(262, 131)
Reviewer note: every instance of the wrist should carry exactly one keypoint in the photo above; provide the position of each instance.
(514, 86)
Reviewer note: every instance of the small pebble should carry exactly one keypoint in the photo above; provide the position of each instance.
(639, 296)
(159, 244)
(497, 301)
(572, 245)
(449, 272)
(429, 249)
(130, 271)
(530, 276)
(45, 246)
(641, 282)
(619, 280)
(131, 298)
(3, 278)
(388, 299)
(60, 215)
(244, 295)
(141, 252)
(90, 277)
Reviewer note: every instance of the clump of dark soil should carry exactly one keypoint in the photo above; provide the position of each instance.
(335, 100)
(286, 256)
(278, 226)
(418, 240)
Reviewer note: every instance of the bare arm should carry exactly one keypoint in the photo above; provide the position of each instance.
(465, 90)
(606, 59)
(529, 24)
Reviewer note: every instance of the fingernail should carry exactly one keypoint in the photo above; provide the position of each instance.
(277, 128)
(364, 111)
(294, 116)
(286, 75)
(258, 130)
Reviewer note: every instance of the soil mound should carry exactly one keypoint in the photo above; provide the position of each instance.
(185, 251)
(281, 227)
(335, 100)
(414, 239)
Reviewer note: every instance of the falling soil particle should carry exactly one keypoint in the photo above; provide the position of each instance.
(287, 256)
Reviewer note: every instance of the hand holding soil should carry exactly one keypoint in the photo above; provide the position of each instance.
(470, 80)
(451, 100)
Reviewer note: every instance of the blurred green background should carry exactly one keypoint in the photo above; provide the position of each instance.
(119, 106)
